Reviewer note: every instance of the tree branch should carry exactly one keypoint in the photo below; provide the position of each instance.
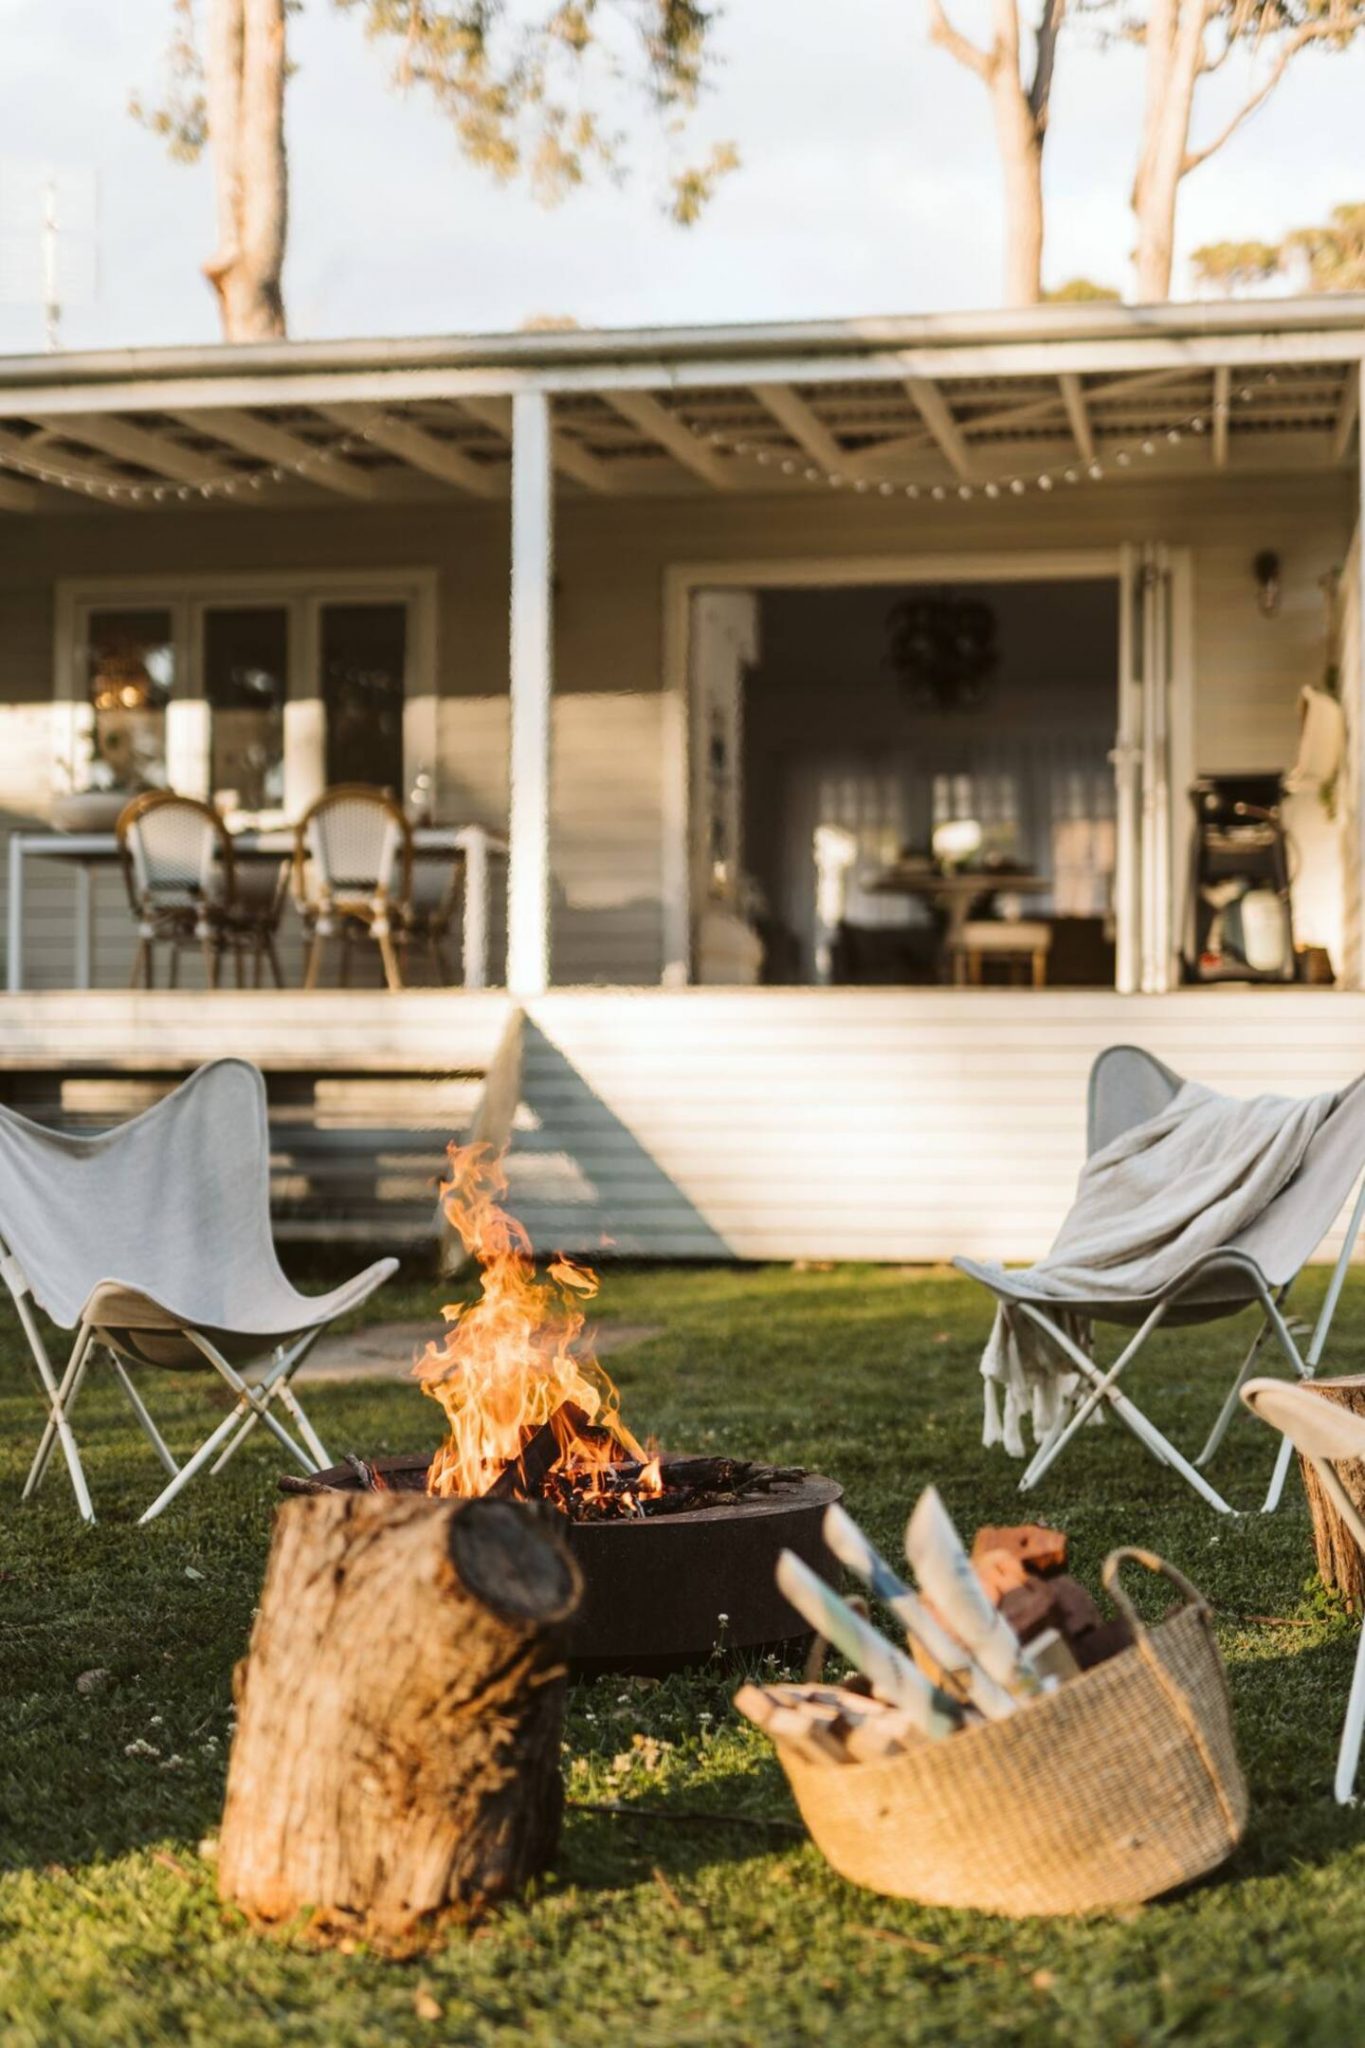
(1040, 91)
(942, 32)
(1311, 32)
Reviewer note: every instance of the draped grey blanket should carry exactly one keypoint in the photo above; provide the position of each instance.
(1147, 1205)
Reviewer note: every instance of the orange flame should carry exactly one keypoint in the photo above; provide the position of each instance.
(511, 1362)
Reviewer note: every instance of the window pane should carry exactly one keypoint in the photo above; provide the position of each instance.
(246, 663)
(364, 656)
(130, 673)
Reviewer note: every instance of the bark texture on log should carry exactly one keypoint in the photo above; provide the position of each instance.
(399, 1713)
(1339, 1560)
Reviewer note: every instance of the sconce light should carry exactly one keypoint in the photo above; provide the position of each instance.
(1266, 571)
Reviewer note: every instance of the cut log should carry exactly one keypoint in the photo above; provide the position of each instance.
(1340, 1564)
(396, 1760)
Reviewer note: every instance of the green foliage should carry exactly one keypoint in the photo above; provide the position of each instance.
(1330, 258)
(521, 85)
(1080, 291)
(1236, 266)
(658, 1932)
(1334, 255)
(180, 117)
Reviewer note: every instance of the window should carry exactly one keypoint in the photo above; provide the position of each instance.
(364, 660)
(129, 662)
(256, 692)
(246, 681)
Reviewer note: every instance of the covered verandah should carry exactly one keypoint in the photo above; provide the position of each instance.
(617, 485)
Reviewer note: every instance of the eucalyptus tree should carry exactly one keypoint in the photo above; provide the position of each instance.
(1015, 64)
(523, 84)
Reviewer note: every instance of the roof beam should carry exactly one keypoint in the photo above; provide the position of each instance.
(420, 450)
(1348, 413)
(1073, 398)
(804, 425)
(269, 443)
(570, 458)
(1222, 400)
(157, 453)
(657, 423)
(934, 410)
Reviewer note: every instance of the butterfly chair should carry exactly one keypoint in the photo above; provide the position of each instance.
(152, 1243)
(1257, 1268)
(352, 874)
(1327, 1434)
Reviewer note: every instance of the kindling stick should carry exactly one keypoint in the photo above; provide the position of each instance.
(854, 1551)
(945, 1573)
(889, 1671)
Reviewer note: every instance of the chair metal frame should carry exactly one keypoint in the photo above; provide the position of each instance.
(252, 1404)
(1250, 1288)
(1275, 1391)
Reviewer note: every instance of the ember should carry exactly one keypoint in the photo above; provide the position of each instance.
(531, 1413)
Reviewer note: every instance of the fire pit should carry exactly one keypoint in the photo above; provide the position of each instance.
(677, 1553)
(667, 1589)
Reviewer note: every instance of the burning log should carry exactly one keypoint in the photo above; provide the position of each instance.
(397, 1752)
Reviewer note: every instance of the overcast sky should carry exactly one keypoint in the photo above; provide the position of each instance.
(868, 181)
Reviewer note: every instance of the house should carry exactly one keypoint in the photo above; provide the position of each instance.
(783, 602)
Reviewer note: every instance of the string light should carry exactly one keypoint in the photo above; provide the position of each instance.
(1093, 471)
(118, 490)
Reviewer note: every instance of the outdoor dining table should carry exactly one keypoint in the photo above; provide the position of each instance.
(88, 851)
(953, 890)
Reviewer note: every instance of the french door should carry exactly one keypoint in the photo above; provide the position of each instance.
(1151, 764)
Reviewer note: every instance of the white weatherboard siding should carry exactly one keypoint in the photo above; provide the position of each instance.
(881, 1124)
(885, 1124)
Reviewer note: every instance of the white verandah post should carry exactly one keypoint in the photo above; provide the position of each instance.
(532, 677)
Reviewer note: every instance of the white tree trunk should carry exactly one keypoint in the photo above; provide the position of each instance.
(1175, 51)
(1020, 145)
(244, 78)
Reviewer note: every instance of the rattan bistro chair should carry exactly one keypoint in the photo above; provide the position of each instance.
(352, 875)
(177, 864)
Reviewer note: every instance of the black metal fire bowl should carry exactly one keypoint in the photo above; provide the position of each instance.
(662, 1592)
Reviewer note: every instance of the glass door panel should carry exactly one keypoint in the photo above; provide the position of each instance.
(363, 651)
(246, 667)
(129, 663)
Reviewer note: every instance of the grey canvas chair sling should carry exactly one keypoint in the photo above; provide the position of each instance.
(1256, 1268)
(151, 1243)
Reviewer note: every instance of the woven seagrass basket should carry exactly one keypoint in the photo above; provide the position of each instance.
(1114, 1788)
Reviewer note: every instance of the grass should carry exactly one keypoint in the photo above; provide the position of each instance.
(652, 1932)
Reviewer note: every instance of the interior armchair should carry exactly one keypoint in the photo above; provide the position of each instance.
(353, 877)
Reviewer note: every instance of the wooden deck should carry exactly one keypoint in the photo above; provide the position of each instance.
(888, 1124)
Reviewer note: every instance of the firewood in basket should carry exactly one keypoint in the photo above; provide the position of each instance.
(892, 1674)
(947, 1662)
(1037, 1548)
(1000, 1571)
(941, 1565)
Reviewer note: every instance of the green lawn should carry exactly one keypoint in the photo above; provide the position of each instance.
(652, 1931)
